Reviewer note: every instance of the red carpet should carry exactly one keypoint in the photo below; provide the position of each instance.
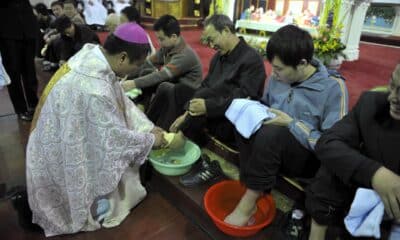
(373, 68)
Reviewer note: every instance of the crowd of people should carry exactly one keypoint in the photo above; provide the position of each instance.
(88, 139)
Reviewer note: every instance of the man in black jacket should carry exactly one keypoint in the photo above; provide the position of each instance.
(361, 150)
(18, 35)
(73, 37)
(236, 71)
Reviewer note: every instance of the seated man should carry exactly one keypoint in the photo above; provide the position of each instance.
(73, 37)
(112, 21)
(362, 150)
(131, 14)
(306, 102)
(57, 7)
(179, 77)
(88, 140)
(236, 71)
(71, 11)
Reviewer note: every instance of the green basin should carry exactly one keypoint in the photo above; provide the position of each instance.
(174, 163)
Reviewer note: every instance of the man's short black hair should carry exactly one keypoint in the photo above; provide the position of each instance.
(136, 51)
(62, 23)
(220, 21)
(168, 24)
(73, 2)
(59, 3)
(132, 14)
(42, 9)
(291, 44)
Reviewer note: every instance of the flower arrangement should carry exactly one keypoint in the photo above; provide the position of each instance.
(260, 46)
(327, 44)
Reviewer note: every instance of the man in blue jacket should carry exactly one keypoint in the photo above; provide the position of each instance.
(306, 101)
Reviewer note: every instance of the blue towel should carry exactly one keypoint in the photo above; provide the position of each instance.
(247, 115)
(365, 215)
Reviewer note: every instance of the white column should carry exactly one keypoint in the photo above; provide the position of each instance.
(229, 8)
(396, 23)
(346, 14)
(356, 24)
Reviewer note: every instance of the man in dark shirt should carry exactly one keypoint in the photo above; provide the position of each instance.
(18, 36)
(73, 37)
(236, 71)
(179, 74)
(361, 150)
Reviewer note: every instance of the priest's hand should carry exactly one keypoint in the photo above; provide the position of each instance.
(197, 107)
(387, 184)
(160, 141)
(175, 125)
(128, 85)
(281, 119)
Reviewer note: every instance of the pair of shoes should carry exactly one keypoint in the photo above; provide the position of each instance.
(294, 227)
(49, 66)
(26, 116)
(204, 171)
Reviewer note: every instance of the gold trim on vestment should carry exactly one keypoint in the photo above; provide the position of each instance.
(64, 69)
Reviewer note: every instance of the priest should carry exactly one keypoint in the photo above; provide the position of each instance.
(88, 140)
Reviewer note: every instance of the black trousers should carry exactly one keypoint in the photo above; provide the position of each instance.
(270, 151)
(328, 199)
(196, 128)
(53, 53)
(18, 60)
(168, 103)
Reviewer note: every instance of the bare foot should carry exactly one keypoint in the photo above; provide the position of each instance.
(244, 210)
(241, 218)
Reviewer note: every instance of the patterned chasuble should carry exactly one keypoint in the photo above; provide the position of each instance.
(84, 136)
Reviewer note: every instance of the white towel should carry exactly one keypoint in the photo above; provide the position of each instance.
(365, 216)
(4, 78)
(247, 115)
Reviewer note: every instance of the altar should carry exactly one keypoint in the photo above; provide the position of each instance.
(177, 8)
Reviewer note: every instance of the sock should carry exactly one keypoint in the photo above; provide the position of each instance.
(103, 205)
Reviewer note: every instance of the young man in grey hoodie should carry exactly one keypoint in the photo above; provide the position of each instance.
(306, 101)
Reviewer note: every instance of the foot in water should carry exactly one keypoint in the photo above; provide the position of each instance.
(241, 218)
(243, 213)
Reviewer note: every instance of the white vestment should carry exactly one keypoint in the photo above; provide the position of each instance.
(95, 12)
(86, 136)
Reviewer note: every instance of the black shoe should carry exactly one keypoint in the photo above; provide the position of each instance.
(19, 199)
(2, 190)
(26, 116)
(294, 227)
(204, 171)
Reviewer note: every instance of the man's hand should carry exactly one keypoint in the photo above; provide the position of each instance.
(175, 125)
(159, 137)
(128, 85)
(281, 119)
(197, 107)
(387, 184)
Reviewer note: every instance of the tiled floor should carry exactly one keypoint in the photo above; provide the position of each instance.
(154, 218)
